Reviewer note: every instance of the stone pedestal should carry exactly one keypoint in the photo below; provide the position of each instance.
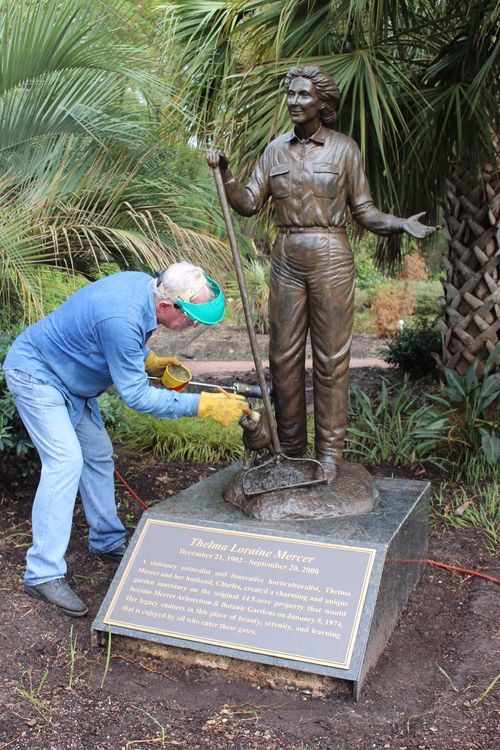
(393, 535)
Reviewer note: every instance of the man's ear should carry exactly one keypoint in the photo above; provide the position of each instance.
(164, 303)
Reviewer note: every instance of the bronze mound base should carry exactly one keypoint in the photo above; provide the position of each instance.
(351, 493)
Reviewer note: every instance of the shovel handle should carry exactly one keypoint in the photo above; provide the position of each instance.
(246, 309)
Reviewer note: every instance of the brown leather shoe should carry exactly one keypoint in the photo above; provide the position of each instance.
(59, 592)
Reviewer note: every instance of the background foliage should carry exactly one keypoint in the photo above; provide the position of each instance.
(89, 170)
(410, 74)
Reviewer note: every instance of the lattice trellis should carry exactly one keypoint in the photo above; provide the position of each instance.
(471, 325)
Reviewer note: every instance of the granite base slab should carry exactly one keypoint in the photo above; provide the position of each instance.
(393, 535)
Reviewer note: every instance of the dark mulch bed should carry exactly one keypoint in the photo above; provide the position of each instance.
(421, 695)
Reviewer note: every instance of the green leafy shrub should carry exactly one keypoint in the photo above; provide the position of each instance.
(113, 412)
(411, 350)
(57, 284)
(388, 428)
(367, 275)
(468, 419)
(17, 452)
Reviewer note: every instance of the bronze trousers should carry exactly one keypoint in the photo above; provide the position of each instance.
(311, 287)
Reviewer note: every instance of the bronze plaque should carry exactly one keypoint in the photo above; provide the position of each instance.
(273, 595)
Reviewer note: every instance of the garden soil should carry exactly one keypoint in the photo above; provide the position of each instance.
(429, 690)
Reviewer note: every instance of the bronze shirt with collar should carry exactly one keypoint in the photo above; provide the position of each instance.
(312, 183)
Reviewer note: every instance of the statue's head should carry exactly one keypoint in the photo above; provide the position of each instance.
(327, 91)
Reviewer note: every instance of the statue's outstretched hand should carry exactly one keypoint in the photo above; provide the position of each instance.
(414, 228)
(216, 158)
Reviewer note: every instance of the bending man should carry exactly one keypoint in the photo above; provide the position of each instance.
(57, 367)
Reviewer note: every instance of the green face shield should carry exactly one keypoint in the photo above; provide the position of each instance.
(207, 313)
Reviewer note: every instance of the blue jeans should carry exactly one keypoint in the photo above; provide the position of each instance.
(72, 459)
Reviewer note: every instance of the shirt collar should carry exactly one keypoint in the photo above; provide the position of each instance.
(318, 137)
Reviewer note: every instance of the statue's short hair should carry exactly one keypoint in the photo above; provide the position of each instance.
(327, 90)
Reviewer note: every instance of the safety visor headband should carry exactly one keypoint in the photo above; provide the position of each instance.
(207, 313)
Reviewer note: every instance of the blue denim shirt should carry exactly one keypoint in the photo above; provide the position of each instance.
(97, 338)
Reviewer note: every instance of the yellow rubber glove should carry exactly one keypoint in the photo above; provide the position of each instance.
(155, 366)
(225, 408)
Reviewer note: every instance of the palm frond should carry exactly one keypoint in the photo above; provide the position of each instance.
(83, 159)
(418, 81)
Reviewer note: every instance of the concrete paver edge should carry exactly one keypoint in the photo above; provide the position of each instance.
(209, 367)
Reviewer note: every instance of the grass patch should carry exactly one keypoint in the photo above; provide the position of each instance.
(31, 693)
(457, 507)
(72, 646)
(184, 439)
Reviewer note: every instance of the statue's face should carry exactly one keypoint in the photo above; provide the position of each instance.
(302, 101)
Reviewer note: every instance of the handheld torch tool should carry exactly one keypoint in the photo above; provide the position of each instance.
(244, 389)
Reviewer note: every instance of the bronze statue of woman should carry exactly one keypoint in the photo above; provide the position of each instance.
(313, 174)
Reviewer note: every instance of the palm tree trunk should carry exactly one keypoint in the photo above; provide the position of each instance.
(471, 325)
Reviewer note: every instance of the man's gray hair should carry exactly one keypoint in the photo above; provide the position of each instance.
(178, 278)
